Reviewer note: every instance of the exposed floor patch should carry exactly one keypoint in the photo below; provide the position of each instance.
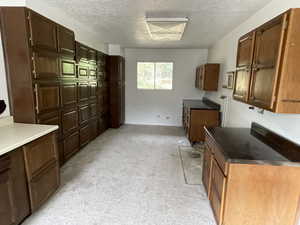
(127, 176)
(191, 161)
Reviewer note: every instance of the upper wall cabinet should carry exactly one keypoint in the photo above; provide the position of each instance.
(245, 50)
(207, 77)
(42, 32)
(268, 75)
(66, 41)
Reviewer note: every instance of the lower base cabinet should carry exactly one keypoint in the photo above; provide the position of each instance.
(14, 198)
(254, 194)
(71, 145)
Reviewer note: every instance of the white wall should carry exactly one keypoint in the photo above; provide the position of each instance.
(144, 106)
(224, 52)
(114, 49)
(83, 33)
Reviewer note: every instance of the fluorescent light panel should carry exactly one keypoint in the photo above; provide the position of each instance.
(166, 29)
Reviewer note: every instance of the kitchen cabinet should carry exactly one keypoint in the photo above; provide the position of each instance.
(247, 186)
(68, 94)
(14, 199)
(42, 169)
(117, 90)
(207, 77)
(66, 41)
(47, 97)
(267, 72)
(196, 114)
(55, 75)
(42, 32)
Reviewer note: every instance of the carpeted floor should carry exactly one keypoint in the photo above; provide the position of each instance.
(128, 176)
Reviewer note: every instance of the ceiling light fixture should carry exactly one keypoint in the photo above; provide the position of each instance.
(166, 29)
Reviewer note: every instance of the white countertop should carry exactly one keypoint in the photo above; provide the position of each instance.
(14, 135)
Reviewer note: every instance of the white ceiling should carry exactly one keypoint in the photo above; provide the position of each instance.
(123, 21)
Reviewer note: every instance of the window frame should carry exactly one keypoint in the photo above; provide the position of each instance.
(154, 62)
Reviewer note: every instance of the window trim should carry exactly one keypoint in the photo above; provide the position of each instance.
(154, 89)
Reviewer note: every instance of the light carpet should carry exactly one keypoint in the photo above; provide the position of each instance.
(127, 176)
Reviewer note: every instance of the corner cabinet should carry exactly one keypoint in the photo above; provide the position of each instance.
(207, 77)
(267, 73)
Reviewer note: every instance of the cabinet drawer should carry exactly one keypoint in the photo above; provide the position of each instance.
(69, 120)
(47, 97)
(71, 145)
(39, 154)
(44, 185)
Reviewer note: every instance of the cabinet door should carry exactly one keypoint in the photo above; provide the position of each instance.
(218, 181)
(68, 94)
(84, 114)
(47, 97)
(66, 41)
(82, 52)
(69, 120)
(245, 50)
(84, 135)
(83, 71)
(93, 72)
(68, 68)
(42, 32)
(93, 125)
(93, 110)
(45, 65)
(206, 171)
(83, 92)
(71, 145)
(92, 55)
(93, 90)
(268, 43)
(7, 201)
(242, 83)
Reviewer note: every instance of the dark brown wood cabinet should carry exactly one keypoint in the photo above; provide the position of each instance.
(56, 78)
(66, 41)
(42, 32)
(42, 169)
(117, 90)
(207, 77)
(267, 71)
(14, 199)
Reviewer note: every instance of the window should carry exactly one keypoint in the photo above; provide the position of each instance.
(155, 75)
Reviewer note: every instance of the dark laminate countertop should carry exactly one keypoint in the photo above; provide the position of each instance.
(205, 103)
(257, 145)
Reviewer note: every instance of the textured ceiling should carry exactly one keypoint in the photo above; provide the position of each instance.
(123, 21)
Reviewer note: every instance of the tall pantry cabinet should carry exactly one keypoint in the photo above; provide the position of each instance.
(117, 90)
(52, 79)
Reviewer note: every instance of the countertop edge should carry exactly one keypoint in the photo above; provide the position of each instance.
(27, 140)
